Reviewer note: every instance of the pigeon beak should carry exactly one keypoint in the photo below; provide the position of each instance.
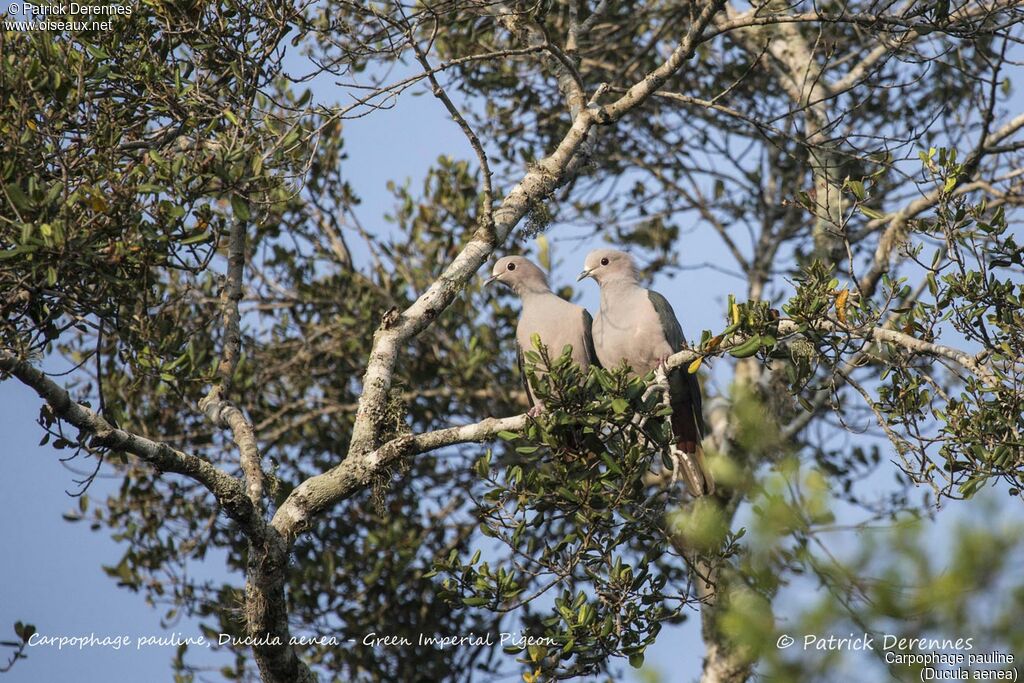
(490, 279)
(583, 276)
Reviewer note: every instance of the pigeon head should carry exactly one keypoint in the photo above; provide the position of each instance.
(607, 265)
(520, 274)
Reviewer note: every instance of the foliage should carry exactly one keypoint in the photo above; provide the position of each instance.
(854, 165)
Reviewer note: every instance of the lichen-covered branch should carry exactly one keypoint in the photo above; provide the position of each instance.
(788, 328)
(318, 493)
(214, 405)
(227, 490)
(225, 414)
(266, 612)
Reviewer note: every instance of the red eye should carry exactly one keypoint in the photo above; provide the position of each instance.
(604, 261)
(511, 266)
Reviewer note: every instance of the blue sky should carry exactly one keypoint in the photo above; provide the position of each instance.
(50, 570)
(52, 574)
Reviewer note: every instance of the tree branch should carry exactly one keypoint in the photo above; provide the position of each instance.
(959, 19)
(650, 83)
(226, 489)
(217, 409)
(790, 328)
(570, 83)
(896, 225)
(319, 493)
(487, 202)
(799, 75)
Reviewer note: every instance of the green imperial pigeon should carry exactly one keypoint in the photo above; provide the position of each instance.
(544, 313)
(638, 326)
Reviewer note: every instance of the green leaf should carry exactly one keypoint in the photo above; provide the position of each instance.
(198, 238)
(483, 467)
(97, 52)
(240, 207)
(18, 197)
(610, 462)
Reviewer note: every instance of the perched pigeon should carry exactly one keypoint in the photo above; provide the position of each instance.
(557, 321)
(638, 326)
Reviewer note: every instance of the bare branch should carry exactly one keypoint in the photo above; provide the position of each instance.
(227, 490)
(319, 493)
(648, 85)
(897, 224)
(220, 411)
(487, 202)
(788, 328)
(570, 83)
(961, 19)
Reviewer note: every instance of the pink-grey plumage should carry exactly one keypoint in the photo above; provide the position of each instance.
(557, 321)
(638, 326)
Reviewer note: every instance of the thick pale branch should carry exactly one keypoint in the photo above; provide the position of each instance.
(224, 414)
(319, 493)
(366, 457)
(965, 18)
(397, 328)
(227, 490)
(646, 87)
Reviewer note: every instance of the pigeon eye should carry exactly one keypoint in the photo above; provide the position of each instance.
(604, 261)
(511, 266)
